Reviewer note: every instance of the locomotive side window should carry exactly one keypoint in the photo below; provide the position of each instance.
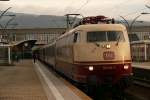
(76, 37)
(102, 36)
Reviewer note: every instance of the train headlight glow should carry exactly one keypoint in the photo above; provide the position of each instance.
(91, 68)
(126, 67)
(108, 46)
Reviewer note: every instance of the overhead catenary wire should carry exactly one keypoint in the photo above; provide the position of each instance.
(147, 6)
(120, 5)
(135, 12)
(74, 12)
(68, 6)
(116, 6)
(57, 22)
(87, 1)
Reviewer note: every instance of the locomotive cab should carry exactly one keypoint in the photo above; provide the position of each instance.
(103, 52)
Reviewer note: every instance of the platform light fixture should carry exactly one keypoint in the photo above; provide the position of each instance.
(25, 44)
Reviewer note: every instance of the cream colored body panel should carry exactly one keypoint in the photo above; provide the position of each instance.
(84, 51)
(90, 52)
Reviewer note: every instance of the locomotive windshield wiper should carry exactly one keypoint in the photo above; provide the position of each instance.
(118, 39)
(96, 44)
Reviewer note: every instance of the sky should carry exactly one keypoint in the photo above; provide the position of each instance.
(111, 8)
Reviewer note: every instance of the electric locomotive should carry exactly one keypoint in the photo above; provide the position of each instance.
(93, 53)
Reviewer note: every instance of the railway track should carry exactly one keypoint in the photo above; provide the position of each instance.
(139, 90)
(142, 82)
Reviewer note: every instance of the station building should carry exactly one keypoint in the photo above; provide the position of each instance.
(140, 48)
(143, 32)
(46, 35)
(17, 43)
(42, 35)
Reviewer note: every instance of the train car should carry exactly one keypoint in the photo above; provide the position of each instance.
(50, 54)
(46, 54)
(92, 54)
(41, 54)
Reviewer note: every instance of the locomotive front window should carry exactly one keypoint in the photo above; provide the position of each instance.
(115, 35)
(96, 36)
(101, 36)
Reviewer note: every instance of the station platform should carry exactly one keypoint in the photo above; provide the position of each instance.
(141, 74)
(33, 81)
(143, 65)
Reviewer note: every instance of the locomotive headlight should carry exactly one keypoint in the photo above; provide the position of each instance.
(91, 68)
(108, 46)
(126, 67)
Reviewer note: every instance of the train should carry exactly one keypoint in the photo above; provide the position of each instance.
(91, 54)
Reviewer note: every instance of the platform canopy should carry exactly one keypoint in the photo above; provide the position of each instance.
(28, 44)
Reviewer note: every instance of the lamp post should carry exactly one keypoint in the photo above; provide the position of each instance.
(25, 45)
(129, 26)
(6, 25)
(147, 6)
(4, 12)
(13, 17)
(9, 21)
(134, 20)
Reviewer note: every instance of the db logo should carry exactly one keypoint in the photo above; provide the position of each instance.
(109, 55)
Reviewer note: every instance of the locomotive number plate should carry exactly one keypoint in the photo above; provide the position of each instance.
(109, 55)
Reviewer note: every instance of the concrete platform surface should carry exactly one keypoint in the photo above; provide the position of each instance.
(34, 81)
(20, 82)
(57, 86)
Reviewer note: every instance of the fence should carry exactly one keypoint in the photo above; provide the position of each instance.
(5, 54)
(140, 50)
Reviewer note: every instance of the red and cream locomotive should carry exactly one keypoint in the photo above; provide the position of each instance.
(92, 53)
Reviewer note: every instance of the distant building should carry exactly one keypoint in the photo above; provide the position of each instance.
(46, 35)
(42, 35)
(143, 32)
(22, 40)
